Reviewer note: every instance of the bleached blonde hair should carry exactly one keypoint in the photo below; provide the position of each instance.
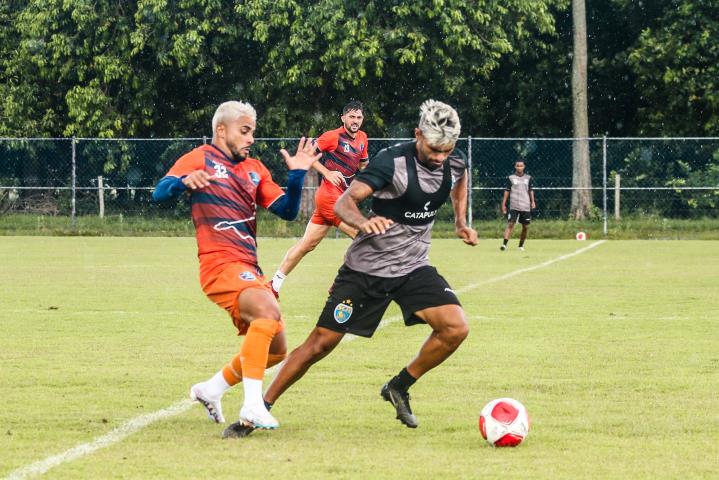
(439, 123)
(232, 110)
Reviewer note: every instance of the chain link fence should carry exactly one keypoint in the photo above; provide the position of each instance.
(667, 177)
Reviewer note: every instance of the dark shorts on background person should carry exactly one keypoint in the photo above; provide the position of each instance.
(357, 301)
(515, 216)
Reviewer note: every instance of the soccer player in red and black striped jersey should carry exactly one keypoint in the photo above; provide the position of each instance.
(344, 154)
(225, 187)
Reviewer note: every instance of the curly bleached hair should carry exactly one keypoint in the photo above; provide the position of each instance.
(232, 110)
(439, 123)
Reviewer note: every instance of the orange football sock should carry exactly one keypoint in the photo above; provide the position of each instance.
(233, 370)
(255, 349)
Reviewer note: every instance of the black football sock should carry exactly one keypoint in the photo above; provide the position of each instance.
(402, 381)
(268, 405)
(505, 241)
(521, 243)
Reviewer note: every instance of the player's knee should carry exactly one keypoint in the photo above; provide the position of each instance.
(454, 334)
(269, 312)
(319, 349)
(307, 245)
(460, 332)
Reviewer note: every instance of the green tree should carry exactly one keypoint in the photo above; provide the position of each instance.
(159, 68)
(71, 74)
(677, 66)
(392, 55)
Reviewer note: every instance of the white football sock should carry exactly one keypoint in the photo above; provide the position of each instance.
(216, 386)
(253, 392)
(277, 280)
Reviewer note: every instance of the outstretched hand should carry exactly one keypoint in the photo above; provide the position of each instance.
(304, 157)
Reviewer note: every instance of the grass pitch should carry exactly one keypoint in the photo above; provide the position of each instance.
(614, 352)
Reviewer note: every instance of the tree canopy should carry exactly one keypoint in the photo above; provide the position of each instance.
(158, 68)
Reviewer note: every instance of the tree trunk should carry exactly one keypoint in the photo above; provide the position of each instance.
(581, 177)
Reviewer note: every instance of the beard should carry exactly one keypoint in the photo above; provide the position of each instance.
(236, 155)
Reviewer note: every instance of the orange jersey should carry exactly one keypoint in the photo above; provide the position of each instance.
(342, 153)
(224, 213)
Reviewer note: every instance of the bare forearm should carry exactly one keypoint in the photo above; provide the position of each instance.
(320, 168)
(348, 211)
(459, 202)
(504, 200)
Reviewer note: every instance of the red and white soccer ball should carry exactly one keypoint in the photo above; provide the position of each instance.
(504, 422)
(581, 236)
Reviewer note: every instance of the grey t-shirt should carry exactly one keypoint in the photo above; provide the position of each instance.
(519, 188)
(402, 248)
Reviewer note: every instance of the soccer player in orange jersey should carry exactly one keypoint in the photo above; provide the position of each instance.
(344, 152)
(225, 187)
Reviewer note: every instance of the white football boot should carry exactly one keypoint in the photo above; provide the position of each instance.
(258, 416)
(213, 406)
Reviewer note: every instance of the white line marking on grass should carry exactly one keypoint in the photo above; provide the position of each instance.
(135, 424)
(113, 436)
(529, 269)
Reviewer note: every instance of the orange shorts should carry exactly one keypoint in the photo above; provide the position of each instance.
(226, 285)
(325, 199)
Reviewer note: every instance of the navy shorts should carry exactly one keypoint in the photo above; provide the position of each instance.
(357, 301)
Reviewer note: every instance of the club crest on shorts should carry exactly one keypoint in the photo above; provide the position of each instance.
(249, 276)
(343, 311)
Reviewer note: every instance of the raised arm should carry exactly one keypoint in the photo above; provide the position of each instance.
(287, 205)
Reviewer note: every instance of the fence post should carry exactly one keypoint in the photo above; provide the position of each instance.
(74, 185)
(604, 181)
(101, 196)
(204, 139)
(469, 181)
(617, 189)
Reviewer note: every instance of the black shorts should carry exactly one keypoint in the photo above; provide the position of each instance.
(358, 301)
(515, 216)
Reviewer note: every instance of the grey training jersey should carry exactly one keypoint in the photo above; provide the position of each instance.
(519, 188)
(402, 248)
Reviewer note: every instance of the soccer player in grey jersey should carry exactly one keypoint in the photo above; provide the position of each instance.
(388, 260)
(520, 193)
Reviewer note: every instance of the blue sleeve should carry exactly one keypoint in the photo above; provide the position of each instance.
(287, 206)
(167, 188)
